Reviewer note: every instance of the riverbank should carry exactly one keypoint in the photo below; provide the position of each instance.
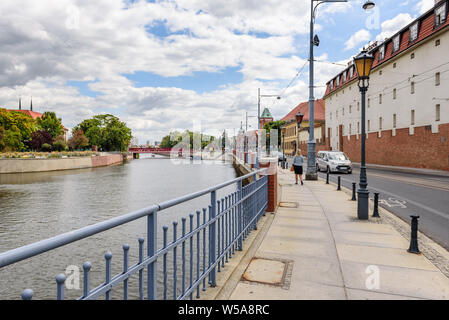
(8, 166)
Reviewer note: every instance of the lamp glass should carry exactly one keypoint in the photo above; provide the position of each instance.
(363, 64)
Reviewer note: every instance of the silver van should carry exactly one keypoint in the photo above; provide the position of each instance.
(333, 161)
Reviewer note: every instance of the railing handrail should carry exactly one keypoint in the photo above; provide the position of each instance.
(31, 250)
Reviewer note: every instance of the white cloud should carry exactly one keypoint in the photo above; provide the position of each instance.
(357, 38)
(390, 27)
(424, 5)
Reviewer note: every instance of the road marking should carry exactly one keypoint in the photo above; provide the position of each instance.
(393, 202)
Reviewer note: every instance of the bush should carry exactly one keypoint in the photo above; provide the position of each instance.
(46, 147)
(59, 145)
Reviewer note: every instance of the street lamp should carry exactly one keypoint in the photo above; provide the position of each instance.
(311, 173)
(363, 63)
(258, 119)
(284, 131)
(299, 117)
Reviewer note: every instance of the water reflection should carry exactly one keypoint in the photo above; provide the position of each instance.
(35, 206)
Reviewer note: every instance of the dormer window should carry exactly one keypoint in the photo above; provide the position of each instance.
(414, 31)
(344, 77)
(381, 53)
(440, 15)
(351, 72)
(396, 42)
(331, 85)
(338, 81)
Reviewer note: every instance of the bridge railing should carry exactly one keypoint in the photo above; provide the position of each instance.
(219, 230)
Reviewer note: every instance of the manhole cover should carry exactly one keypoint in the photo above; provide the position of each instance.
(288, 205)
(265, 271)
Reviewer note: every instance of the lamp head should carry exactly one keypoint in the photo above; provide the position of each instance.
(299, 117)
(363, 63)
(369, 5)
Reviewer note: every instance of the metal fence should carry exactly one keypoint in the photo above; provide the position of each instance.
(205, 245)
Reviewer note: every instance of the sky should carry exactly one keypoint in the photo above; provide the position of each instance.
(179, 64)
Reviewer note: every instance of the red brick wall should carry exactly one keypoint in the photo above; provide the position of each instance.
(272, 185)
(423, 149)
(108, 160)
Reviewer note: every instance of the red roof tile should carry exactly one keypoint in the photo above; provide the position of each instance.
(304, 109)
(30, 113)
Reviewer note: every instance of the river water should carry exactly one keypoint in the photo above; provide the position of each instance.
(37, 206)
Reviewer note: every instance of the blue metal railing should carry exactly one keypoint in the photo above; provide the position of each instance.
(206, 246)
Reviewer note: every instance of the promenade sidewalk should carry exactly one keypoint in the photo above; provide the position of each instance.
(319, 250)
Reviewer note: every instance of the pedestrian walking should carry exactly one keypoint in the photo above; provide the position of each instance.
(298, 163)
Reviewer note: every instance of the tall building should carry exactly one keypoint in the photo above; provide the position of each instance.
(265, 117)
(407, 103)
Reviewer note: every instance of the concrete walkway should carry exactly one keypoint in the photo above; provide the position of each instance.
(319, 250)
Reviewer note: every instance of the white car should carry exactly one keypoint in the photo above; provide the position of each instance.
(333, 161)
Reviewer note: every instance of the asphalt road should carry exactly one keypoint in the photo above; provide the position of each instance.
(406, 194)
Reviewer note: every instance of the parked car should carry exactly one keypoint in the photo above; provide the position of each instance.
(333, 161)
(279, 155)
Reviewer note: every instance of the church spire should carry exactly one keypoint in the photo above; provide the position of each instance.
(20, 103)
(31, 107)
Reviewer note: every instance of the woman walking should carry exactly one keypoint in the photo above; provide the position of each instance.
(298, 163)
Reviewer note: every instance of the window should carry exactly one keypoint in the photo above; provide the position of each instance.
(381, 52)
(412, 117)
(440, 15)
(338, 81)
(380, 123)
(369, 103)
(358, 106)
(369, 125)
(394, 94)
(412, 88)
(358, 127)
(414, 31)
(380, 72)
(350, 129)
(412, 56)
(351, 72)
(344, 76)
(437, 112)
(394, 120)
(350, 109)
(343, 113)
(380, 98)
(437, 79)
(331, 115)
(394, 65)
(396, 42)
(331, 85)
(437, 42)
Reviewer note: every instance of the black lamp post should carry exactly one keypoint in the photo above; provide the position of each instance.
(363, 63)
(299, 117)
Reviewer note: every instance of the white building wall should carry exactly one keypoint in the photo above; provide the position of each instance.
(428, 60)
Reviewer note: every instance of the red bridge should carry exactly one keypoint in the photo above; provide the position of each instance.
(161, 151)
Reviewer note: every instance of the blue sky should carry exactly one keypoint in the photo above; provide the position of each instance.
(151, 61)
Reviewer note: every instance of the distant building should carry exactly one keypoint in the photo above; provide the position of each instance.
(291, 136)
(35, 115)
(407, 103)
(265, 117)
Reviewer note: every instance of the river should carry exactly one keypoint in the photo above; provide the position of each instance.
(37, 206)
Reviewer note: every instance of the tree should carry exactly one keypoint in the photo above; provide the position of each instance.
(17, 130)
(59, 144)
(51, 124)
(2, 139)
(106, 132)
(78, 141)
(274, 125)
(39, 138)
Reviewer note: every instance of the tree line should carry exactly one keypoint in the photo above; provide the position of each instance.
(20, 132)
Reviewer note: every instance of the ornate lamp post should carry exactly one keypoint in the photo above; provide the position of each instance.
(299, 118)
(311, 173)
(363, 63)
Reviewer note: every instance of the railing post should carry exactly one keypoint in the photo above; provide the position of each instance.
(27, 294)
(151, 251)
(125, 270)
(108, 257)
(60, 280)
(86, 267)
(212, 238)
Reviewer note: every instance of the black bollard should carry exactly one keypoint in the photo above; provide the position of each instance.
(354, 185)
(339, 184)
(414, 236)
(376, 205)
(327, 177)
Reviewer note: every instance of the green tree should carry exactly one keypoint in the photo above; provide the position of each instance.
(107, 132)
(17, 130)
(51, 124)
(59, 144)
(274, 125)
